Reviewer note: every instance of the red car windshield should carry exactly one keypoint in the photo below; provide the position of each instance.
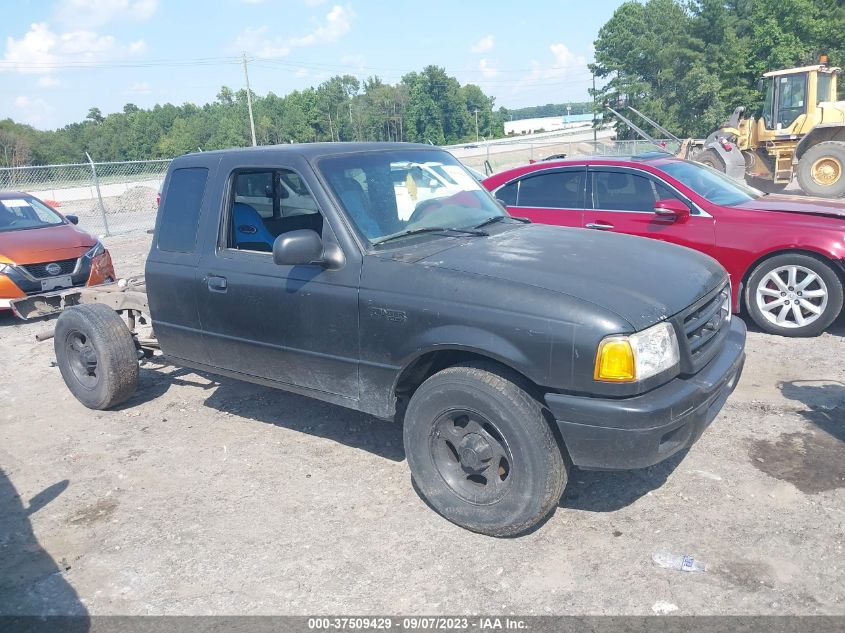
(26, 213)
(710, 184)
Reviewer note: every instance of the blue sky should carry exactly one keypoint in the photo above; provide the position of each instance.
(62, 57)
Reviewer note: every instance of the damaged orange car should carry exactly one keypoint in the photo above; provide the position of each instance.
(42, 250)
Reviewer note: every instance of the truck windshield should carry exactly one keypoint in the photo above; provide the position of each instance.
(26, 213)
(389, 194)
(710, 184)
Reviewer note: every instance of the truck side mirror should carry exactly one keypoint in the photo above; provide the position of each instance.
(672, 208)
(303, 246)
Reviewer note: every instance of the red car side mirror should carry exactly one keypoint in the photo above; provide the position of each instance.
(672, 207)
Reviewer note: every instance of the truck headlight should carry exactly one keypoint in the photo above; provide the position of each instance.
(96, 250)
(637, 356)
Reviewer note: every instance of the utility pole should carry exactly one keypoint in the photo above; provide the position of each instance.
(249, 102)
(595, 140)
(476, 125)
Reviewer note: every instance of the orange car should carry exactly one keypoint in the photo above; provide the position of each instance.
(41, 250)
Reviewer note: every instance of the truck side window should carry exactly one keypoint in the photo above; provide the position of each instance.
(266, 203)
(180, 210)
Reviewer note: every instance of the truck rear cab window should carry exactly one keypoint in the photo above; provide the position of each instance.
(180, 210)
(264, 204)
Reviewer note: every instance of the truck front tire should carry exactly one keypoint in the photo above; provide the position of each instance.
(481, 451)
(97, 355)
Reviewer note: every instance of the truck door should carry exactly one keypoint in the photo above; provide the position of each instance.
(293, 325)
(171, 268)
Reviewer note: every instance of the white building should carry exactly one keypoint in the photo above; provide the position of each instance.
(545, 124)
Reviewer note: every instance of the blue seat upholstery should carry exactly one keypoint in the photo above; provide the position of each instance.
(250, 232)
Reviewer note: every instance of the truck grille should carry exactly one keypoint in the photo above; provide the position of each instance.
(39, 271)
(702, 327)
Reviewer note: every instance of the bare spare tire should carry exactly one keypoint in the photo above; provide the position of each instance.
(97, 355)
(481, 450)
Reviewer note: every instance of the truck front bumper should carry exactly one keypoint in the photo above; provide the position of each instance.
(625, 433)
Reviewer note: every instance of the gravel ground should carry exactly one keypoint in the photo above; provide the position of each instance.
(208, 496)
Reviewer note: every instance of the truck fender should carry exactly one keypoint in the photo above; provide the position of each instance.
(820, 134)
(473, 340)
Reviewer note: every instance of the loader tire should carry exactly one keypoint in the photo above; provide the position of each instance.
(821, 170)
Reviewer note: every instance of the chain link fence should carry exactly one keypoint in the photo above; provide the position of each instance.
(505, 154)
(108, 198)
(120, 197)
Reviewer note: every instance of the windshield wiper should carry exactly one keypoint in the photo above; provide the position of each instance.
(430, 229)
(500, 218)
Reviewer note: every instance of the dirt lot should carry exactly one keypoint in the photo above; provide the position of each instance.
(207, 496)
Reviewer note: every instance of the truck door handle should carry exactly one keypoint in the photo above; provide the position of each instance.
(216, 284)
(600, 226)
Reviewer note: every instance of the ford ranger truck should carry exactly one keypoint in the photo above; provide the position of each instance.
(508, 351)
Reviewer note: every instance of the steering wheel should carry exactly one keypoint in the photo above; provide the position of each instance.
(423, 209)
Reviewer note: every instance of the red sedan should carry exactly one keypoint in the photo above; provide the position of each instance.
(785, 254)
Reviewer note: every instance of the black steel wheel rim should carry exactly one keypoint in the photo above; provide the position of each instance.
(82, 359)
(472, 456)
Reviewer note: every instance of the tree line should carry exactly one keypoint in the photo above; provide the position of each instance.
(689, 63)
(427, 107)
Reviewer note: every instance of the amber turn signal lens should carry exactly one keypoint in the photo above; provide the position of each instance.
(615, 361)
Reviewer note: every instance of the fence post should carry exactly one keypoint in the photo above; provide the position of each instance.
(99, 196)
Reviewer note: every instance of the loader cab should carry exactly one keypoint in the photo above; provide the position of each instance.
(791, 99)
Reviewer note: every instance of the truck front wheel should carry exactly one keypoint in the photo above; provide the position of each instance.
(481, 451)
(821, 170)
(97, 355)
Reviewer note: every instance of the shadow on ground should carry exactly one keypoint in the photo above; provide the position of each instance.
(306, 415)
(608, 491)
(814, 460)
(31, 582)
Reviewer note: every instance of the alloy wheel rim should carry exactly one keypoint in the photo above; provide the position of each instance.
(792, 296)
(472, 456)
(827, 171)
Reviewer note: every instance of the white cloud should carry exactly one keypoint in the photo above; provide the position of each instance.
(337, 23)
(93, 13)
(33, 49)
(40, 49)
(139, 88)
(32, 111)
(484, 45)
(487, 71)
(301, 72)
(566, 62)
(48, 81)
(314, 3)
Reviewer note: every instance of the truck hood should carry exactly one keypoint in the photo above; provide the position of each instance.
(47, 244)
(641, 280)
(796, 204)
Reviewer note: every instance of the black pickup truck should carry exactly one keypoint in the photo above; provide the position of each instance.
(384, 278)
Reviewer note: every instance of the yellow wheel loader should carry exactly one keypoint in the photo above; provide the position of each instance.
(801, 133)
